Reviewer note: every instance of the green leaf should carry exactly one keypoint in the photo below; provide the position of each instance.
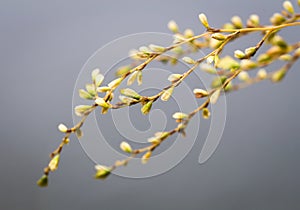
(130, 93)
(95, 72)
(53, 164)
(43, 181)
(81, 110)
(167, 94)
(79, 133)
(91, 89)
(99, 79)
(85, 95)
(147, 107)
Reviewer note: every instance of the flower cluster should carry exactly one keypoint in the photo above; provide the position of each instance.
(225, 68)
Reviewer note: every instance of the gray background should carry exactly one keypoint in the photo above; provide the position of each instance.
(44, 44)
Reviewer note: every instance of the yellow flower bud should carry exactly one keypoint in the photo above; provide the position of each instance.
(188, 60)
(287, 5)
(85, 95)
(239, 54)
(172, 25)
(174, 77)
(262, 74)
(139, 77)
(66, 140)
(244, 76)
(208, 68)
(167, 94)
(237, 22)
(253, 20)
(203, 20)
(130, 93)
(262, 58)
(82, 110)
(146, 157)
(178, 38)
(248, 64)
(53, 164)
(179, 115)
(91, 89)
(103, 89)
(205, 113)
(188, 33)
(146, 107)
(101, 102)
(228, 26)
(154, 140)
(215, 96)
(199, 93)
(132, 78)
(162, 135)
(218, 36)
(102, 171)
(277, 19)
(126, 147)
(95, 72)
(145, 50)
(123, 70)
(227, 63)
(115, 83)
(278, 75)
(250, 51)
(214, 43)
(285, 57)
(98, 80)
(62, 128)
(156, 48)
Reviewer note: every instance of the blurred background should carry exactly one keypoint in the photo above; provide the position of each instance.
(44, 45)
